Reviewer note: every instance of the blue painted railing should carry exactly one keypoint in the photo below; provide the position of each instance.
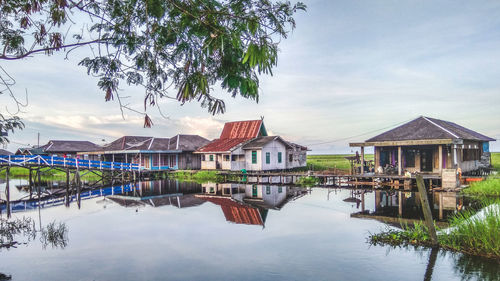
(23, 160)
(25, 205)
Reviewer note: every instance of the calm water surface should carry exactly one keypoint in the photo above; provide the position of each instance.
(166, 230)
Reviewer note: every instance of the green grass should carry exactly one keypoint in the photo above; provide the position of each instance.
(308, 181)
(488, 187)
(200, 176)
(472, 235)
(495, 161)
(46, 174)
(331, 161)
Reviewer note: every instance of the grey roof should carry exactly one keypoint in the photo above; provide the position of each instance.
(262, 141)
(30, 151)
(54, 146)
(178, 142)
(424, 128)
(5, 152)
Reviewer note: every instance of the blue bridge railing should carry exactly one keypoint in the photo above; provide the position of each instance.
(55, 161)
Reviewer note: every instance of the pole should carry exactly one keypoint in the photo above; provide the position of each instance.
(7, 191)
(426, 209)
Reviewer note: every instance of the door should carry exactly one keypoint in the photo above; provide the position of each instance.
(426, 160)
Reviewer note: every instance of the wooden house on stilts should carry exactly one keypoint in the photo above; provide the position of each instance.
(428, 145)
(154, 153)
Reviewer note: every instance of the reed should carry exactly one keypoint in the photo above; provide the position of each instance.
(488, 187)
(476, 233)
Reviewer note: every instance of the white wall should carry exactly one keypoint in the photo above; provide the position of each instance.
(207, 164)
(273, 148)
(248, 160)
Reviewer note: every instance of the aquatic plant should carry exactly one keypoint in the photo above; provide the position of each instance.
(10, 229)
(488, 187)
(308, 181)
(471, 232)
(55, 235)
(200, 176)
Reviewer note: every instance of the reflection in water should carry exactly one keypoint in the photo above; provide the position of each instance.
(22, 231)
(471, 267)
(160, 193)
(253, 205)
(393, 207)
(249, 203)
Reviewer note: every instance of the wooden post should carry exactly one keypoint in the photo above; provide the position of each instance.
(7, 191)
(362, 160)
(400, 164)
(440, 158)
(426, 209)
(30, 183)
(67, 187)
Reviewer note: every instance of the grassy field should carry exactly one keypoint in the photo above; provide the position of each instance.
(495, 160)
(489, 187)
(331, 161)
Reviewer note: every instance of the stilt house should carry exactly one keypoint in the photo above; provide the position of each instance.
(154, 153)
(428, 145)
(246, 145)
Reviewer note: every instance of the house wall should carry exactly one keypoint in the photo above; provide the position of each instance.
(207, 164)
(225, 164)
(189, 161)
(273, 147)
(299, 158)
(248, 160)
(239, 162)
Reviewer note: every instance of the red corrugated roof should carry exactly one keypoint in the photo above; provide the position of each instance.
(220, 145)
(241, 129)
(237, 212)
(233, 134)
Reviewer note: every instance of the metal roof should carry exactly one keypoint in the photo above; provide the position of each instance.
(262, 141)
(54, 146)
(235, 134)
(5, 152)
(425, 128)
(241, 129)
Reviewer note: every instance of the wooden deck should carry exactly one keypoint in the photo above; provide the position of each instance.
(368, 179)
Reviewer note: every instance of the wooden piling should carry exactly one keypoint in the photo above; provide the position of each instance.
(7, 191)
(426, 209)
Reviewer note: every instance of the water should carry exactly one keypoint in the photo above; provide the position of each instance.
(167, 230)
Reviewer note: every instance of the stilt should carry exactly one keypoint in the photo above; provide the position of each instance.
(7, 191)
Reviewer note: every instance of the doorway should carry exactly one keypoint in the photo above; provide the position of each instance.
(426, 156)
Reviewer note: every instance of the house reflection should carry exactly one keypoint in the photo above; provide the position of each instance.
(248, 203)
(394, 207)
(160, 193)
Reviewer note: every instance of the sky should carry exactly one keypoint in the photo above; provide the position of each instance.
(349, 71)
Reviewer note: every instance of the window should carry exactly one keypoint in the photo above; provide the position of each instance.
(290, 158)
(226, 157)
(233, 157)
(280, 189)
(254, 157)
(409, 159)
(279, 157)
(254, 190)
(211, 157)
(268, 190)
(268, 157)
